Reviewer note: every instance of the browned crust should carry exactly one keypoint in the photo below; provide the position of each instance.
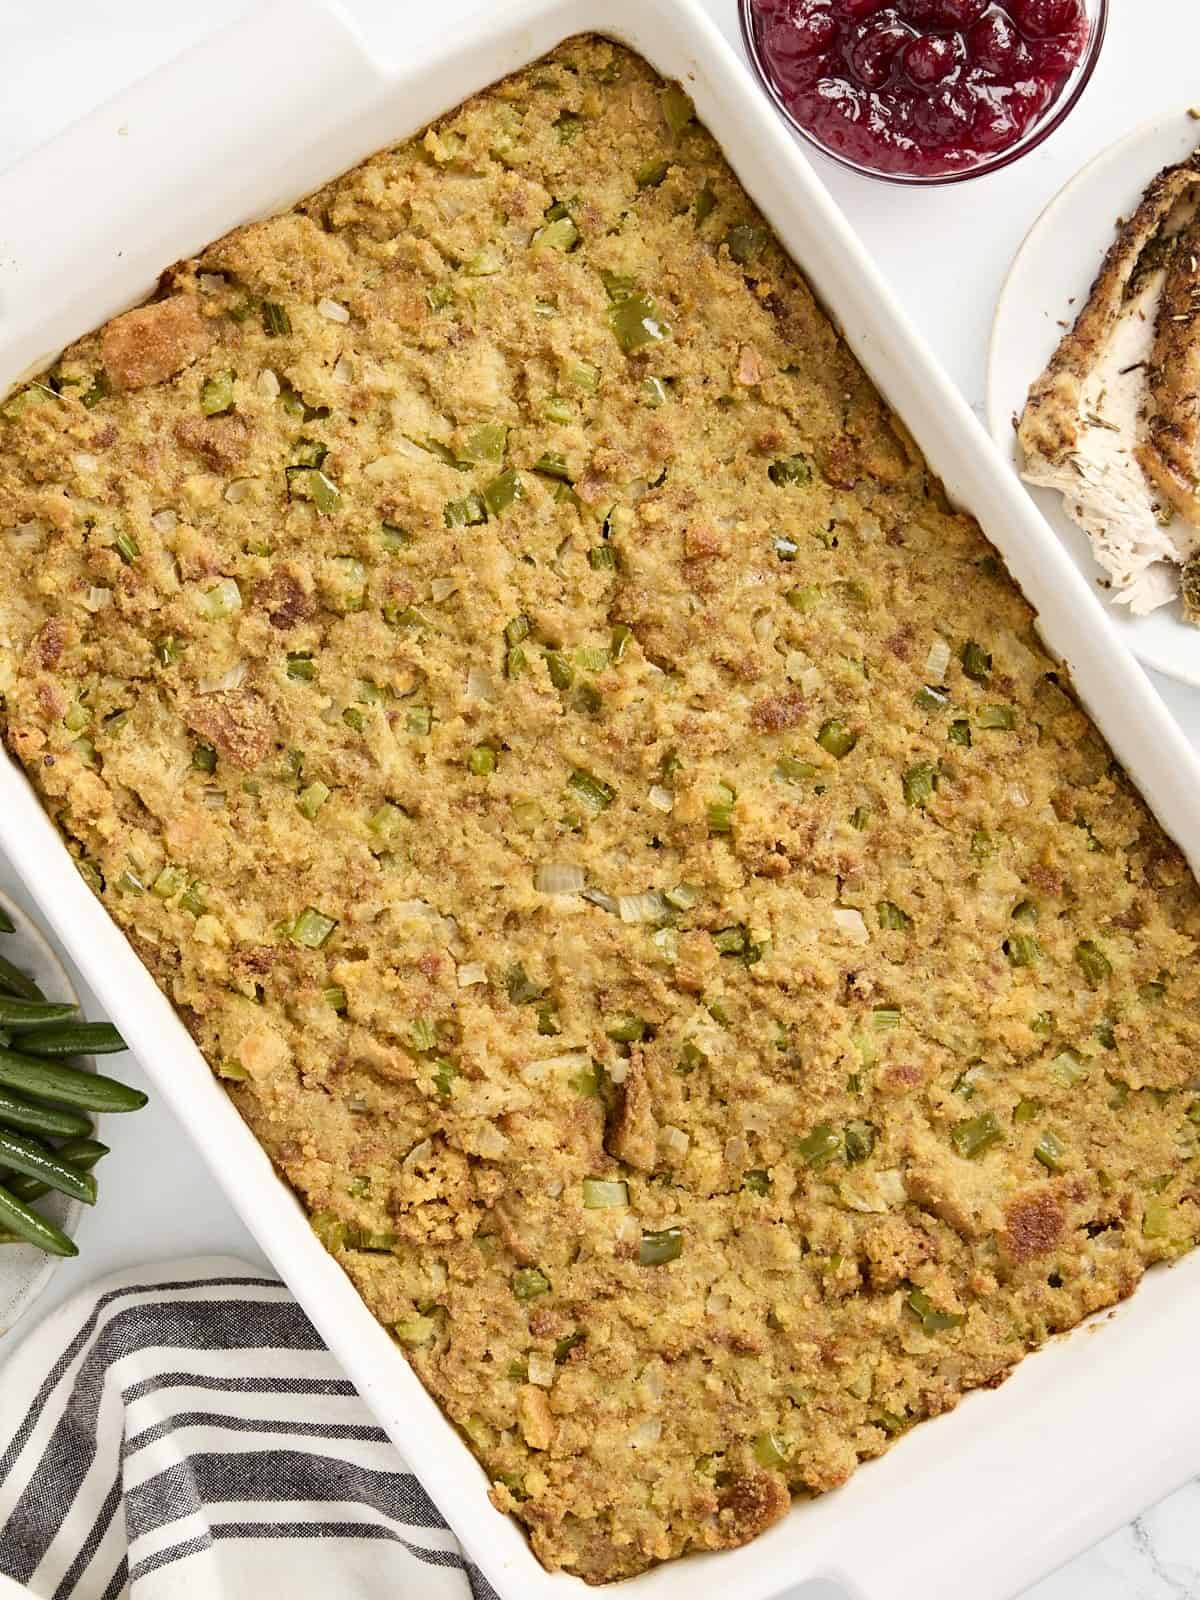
(749, 1505)
(1033, 1226)
(632, 1131)
(1168, 455)
(1049, 428)
(235, 722)
(154, 342)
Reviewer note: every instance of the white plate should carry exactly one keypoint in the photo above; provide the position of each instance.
(1048, 283)
(24, 1271)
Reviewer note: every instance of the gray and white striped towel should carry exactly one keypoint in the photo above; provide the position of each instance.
(181, 1430)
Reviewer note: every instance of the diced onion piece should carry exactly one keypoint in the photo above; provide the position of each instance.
(652, 1381)
(26, 536)
(85, 462)
(675, 1140)
(571, 1061)
(164, 521)
(480, 684)
(383, 467)
(240, 489)
(210, 282)
(231, 679)
(619, 1070)
(597, 897)
(343, 370)
(267, 384)
(418, 1153)
(442, 588)
(628, 1229)
(97, 599)
(332, 310)
(717, 1304)
(471, 973)
(646, 1434)
(438, 1276)
(851, 924)
(937, 661)
(490, 1143)
(559, 877)
(418, 908)
(1018, 795)
(222, 600)
(661, 799)
(810, 680)
(214, 799)
(541, 1368)
(649, 907)
(891, 1186)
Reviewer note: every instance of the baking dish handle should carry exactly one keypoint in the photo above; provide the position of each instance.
(146, 148)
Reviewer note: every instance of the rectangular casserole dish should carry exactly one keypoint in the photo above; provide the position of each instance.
(147, 180)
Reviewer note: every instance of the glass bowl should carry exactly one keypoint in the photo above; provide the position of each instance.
(1054, 114)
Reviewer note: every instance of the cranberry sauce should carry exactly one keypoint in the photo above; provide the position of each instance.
(918, 87)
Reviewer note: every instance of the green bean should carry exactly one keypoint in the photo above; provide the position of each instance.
(13, 981)
(18, 1013)
(51, 1121)
(52, 1080)
(81, 1154)
(37, 1161)
(75, 1039)
(18, 1219)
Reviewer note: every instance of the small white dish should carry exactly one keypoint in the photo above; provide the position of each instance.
(1048, 283)
(24, 1271)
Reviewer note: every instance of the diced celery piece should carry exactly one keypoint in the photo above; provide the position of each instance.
(529, 1282)
(658, 1248)
(312, 798)
(561, 234)
(677, 108)
(311, 928)
(216, 394)
(635, 322)
(602, 1193)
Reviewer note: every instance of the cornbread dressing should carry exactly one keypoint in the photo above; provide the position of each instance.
(609, 822)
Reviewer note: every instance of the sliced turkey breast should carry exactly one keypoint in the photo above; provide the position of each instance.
(1099, 427)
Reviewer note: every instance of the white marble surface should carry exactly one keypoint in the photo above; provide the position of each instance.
(946, 252)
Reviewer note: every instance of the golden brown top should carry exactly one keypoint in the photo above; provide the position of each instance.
(609, 822)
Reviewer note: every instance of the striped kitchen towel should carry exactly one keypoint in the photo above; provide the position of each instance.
(181, 1430)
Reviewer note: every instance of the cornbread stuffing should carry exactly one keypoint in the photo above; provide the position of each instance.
(608, 821)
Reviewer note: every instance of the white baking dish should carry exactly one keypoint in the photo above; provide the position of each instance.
(1087, 1432)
